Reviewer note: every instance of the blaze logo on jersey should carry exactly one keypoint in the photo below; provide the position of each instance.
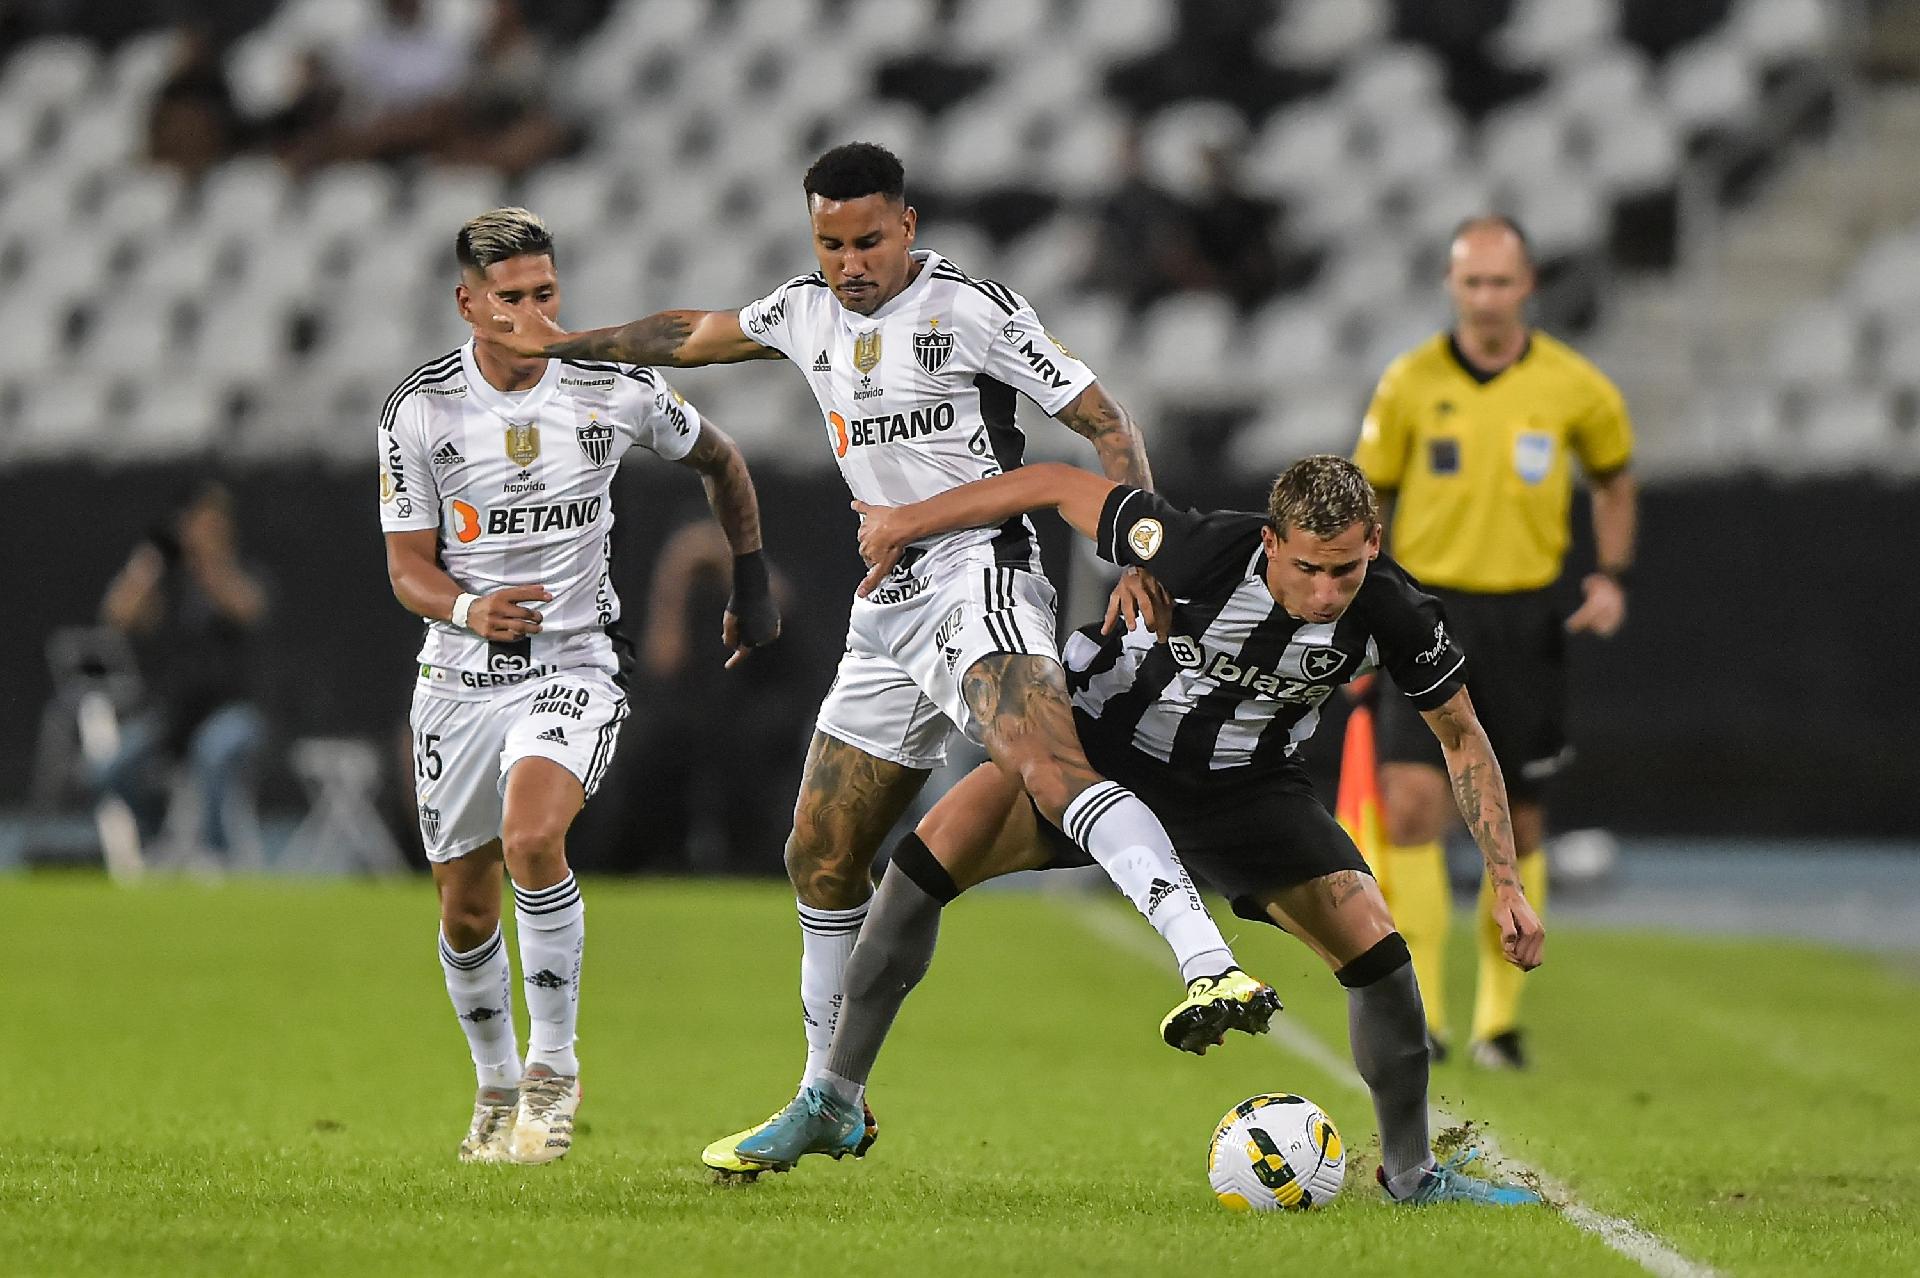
(933, 348)
(1228, 673)
(866, 352)
(596, 440)
(523, 442)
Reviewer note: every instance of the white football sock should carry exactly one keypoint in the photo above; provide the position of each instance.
(553, 931)
(827, 938)
(480, 983)
(1110, 823)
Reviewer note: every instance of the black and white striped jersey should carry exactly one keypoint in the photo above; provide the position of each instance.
(1241, 681)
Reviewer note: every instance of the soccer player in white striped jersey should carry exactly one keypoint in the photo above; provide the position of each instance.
(916, 365)
(496, 477)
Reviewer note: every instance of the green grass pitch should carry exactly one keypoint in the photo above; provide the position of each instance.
(265, 1079)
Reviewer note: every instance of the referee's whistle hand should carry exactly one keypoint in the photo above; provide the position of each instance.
(1604, 610)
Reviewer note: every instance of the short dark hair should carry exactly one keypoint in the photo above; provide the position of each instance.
(499, 234)
(1323, 494)
(855, 169)
(1494, 221)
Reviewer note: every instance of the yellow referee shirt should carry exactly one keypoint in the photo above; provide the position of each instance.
(1480, 465)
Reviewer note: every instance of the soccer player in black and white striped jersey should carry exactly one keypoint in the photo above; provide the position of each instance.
(1269, 614)
(916, 366)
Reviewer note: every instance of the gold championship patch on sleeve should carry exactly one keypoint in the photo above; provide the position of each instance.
(1145, 537)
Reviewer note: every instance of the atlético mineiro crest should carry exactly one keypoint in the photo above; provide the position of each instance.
(596, 440)
(933, 348)
(523, 442)
(430, 822)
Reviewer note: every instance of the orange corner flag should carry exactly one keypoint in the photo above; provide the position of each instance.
(1358, 804)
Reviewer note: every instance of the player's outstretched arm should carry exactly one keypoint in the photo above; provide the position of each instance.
(1481, 793)
(1107, 424)
(886, 531)
(678, 339)
(752, 618)
(423, 587)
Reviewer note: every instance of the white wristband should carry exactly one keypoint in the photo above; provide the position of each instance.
(462, 605)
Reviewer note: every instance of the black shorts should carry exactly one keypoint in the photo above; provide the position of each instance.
(1516, 646)
(1242, 835)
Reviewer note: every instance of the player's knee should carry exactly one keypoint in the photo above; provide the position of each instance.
(535, 851)
(467, 922)
(826, 875)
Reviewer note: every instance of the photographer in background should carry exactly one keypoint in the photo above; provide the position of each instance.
(190, 607)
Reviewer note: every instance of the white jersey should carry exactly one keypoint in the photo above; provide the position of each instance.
(519, 487)
(918, 397)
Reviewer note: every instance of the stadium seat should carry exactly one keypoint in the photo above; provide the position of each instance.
(1126, 27)
(1777, 31)
(1846, 429)
(1291, 342)
(34, 347)
(1710, 84)
(130, 334)
(981, 146)
(1046, 261)
(1098, 331)
(59, 70)
(64, 266)
(1365, 270)
(1301, 420)
(1562, 211)
(1523, 139)
(1818, 345)
(882, 28)
(181, 266)
(996, 29)
(101, 134)
(1394, 83)
(19, 135)
(1189, 345)
(347, 197)
(1637, 152)
(1607, 82)
(1885, 281)
(446, 198)
(171, 415)
(1299, 147)
(1549, 32)
(243, 196)
(137, 68)
(241, 340)
(139, 201)
(1320, 33)
(65, 416)
(1175, 140)
(1082, 152)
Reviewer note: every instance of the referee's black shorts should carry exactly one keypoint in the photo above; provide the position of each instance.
(1240, 832)
(1516, 646)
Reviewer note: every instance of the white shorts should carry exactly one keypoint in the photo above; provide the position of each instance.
(463, 749)
(897, 692)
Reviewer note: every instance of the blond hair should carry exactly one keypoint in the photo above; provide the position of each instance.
(499, 234)
(1323, 494)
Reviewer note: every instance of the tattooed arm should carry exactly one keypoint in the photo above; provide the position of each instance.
(1481, 794)
(678, 339)
(752, 618)
(1114, 434)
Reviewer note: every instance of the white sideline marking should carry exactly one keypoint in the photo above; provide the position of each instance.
(1644, 1248)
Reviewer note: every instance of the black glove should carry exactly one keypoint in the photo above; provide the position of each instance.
(757, 616)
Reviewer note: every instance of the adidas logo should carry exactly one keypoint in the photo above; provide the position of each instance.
(447, 455)
(820, 364)
(1158, 891)
(553, 734)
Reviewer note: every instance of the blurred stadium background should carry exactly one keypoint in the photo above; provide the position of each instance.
(225, 232)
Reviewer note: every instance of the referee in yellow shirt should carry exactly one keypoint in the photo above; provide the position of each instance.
(1473, 436)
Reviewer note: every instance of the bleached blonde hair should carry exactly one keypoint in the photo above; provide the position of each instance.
(499, 234)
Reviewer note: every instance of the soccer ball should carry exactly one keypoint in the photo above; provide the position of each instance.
(1275, 1152)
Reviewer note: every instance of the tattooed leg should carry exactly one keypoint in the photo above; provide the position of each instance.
(1339, 916)
(1020, 702)
(1026, 721)
(848, 801)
